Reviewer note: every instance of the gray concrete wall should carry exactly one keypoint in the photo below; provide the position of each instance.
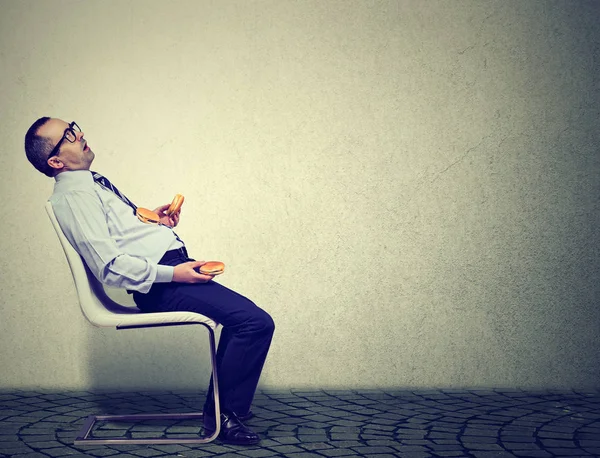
(420, 177)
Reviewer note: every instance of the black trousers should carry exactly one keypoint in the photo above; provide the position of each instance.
(245, 337)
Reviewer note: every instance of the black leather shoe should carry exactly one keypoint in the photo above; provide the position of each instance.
(233, 431)
(246, 416)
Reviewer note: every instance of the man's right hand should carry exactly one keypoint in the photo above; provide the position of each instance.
(185, 273)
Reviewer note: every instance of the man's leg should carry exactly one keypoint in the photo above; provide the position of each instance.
(245, 337)
(243, 345)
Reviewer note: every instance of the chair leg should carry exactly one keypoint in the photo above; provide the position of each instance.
(85, 431)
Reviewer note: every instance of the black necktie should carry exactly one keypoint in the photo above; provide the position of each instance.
(103, 181)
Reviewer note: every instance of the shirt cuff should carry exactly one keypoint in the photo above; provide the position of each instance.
(164, 274)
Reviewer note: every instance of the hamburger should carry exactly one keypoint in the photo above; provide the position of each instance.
(175, 205)
(212, 268)
(147, 216)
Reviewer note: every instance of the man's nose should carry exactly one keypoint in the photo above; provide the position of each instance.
(79, 136)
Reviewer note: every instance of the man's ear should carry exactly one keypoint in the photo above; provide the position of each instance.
(56, 163)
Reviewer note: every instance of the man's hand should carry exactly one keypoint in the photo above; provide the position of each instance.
(168, 220)
(185, 273)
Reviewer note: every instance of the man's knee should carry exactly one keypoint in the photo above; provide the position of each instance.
(269, 324)
(263, 323)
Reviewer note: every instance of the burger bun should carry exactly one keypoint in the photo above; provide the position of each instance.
(175, 205)
(147, 216)
(212, 268)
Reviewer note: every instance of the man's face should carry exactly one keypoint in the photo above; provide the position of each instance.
(71, 156)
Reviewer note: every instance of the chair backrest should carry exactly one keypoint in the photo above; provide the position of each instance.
(97, 307)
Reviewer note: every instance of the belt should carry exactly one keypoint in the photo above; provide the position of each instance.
(170, 255)
(178, 253)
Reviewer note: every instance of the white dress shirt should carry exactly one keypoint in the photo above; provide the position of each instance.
(119, 249)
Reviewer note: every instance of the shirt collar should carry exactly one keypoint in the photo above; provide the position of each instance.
(73, 179)
(74, 176)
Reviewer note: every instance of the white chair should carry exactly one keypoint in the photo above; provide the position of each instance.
(102, 311)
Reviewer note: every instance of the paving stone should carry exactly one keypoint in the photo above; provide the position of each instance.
(304, 455)
(567, 451)
(307, 430)
(257, 453)
(590, 443)
(194, 454)
(171, 448)
(111, 433)
(387, 442)
(507, 438)
(286, 440)
(10, 428)
(533, 454)
(184, 429)
(344, 436)
(521, 446)
(29, 455)
(556, 443)
(311, 439)
(444, 428)
(367, 437)
(445, 447)
(590, 436)
(11, 449)
(102, 452)
(315, 424)
(62, 451)
(315, 445)
(373, 450)
(283, 449)
(380, 427)
(499, 454)
(380, 455)
(45, 444)
(444, 453)
(436, 435)
(147, 452)
(478, 440)
(338, 452)
(125, 447)
(367, 431)
(37, 431)
(411, 454)
(481, 446)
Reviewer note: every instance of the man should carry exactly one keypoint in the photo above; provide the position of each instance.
(151, 261)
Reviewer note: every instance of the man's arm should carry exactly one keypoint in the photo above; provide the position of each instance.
(82, 219)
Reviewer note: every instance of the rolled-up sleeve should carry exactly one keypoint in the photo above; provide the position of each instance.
(82, 219)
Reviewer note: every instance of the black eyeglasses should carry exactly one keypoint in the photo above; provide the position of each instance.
(70, 135)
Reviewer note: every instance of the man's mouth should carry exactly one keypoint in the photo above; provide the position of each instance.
(86, 147)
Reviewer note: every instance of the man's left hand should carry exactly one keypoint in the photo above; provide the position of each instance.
(168, 220)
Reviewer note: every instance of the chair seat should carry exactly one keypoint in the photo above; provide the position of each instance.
(134, 317)
(114, 314)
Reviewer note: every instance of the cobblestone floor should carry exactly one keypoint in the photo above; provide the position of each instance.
(419, 423)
